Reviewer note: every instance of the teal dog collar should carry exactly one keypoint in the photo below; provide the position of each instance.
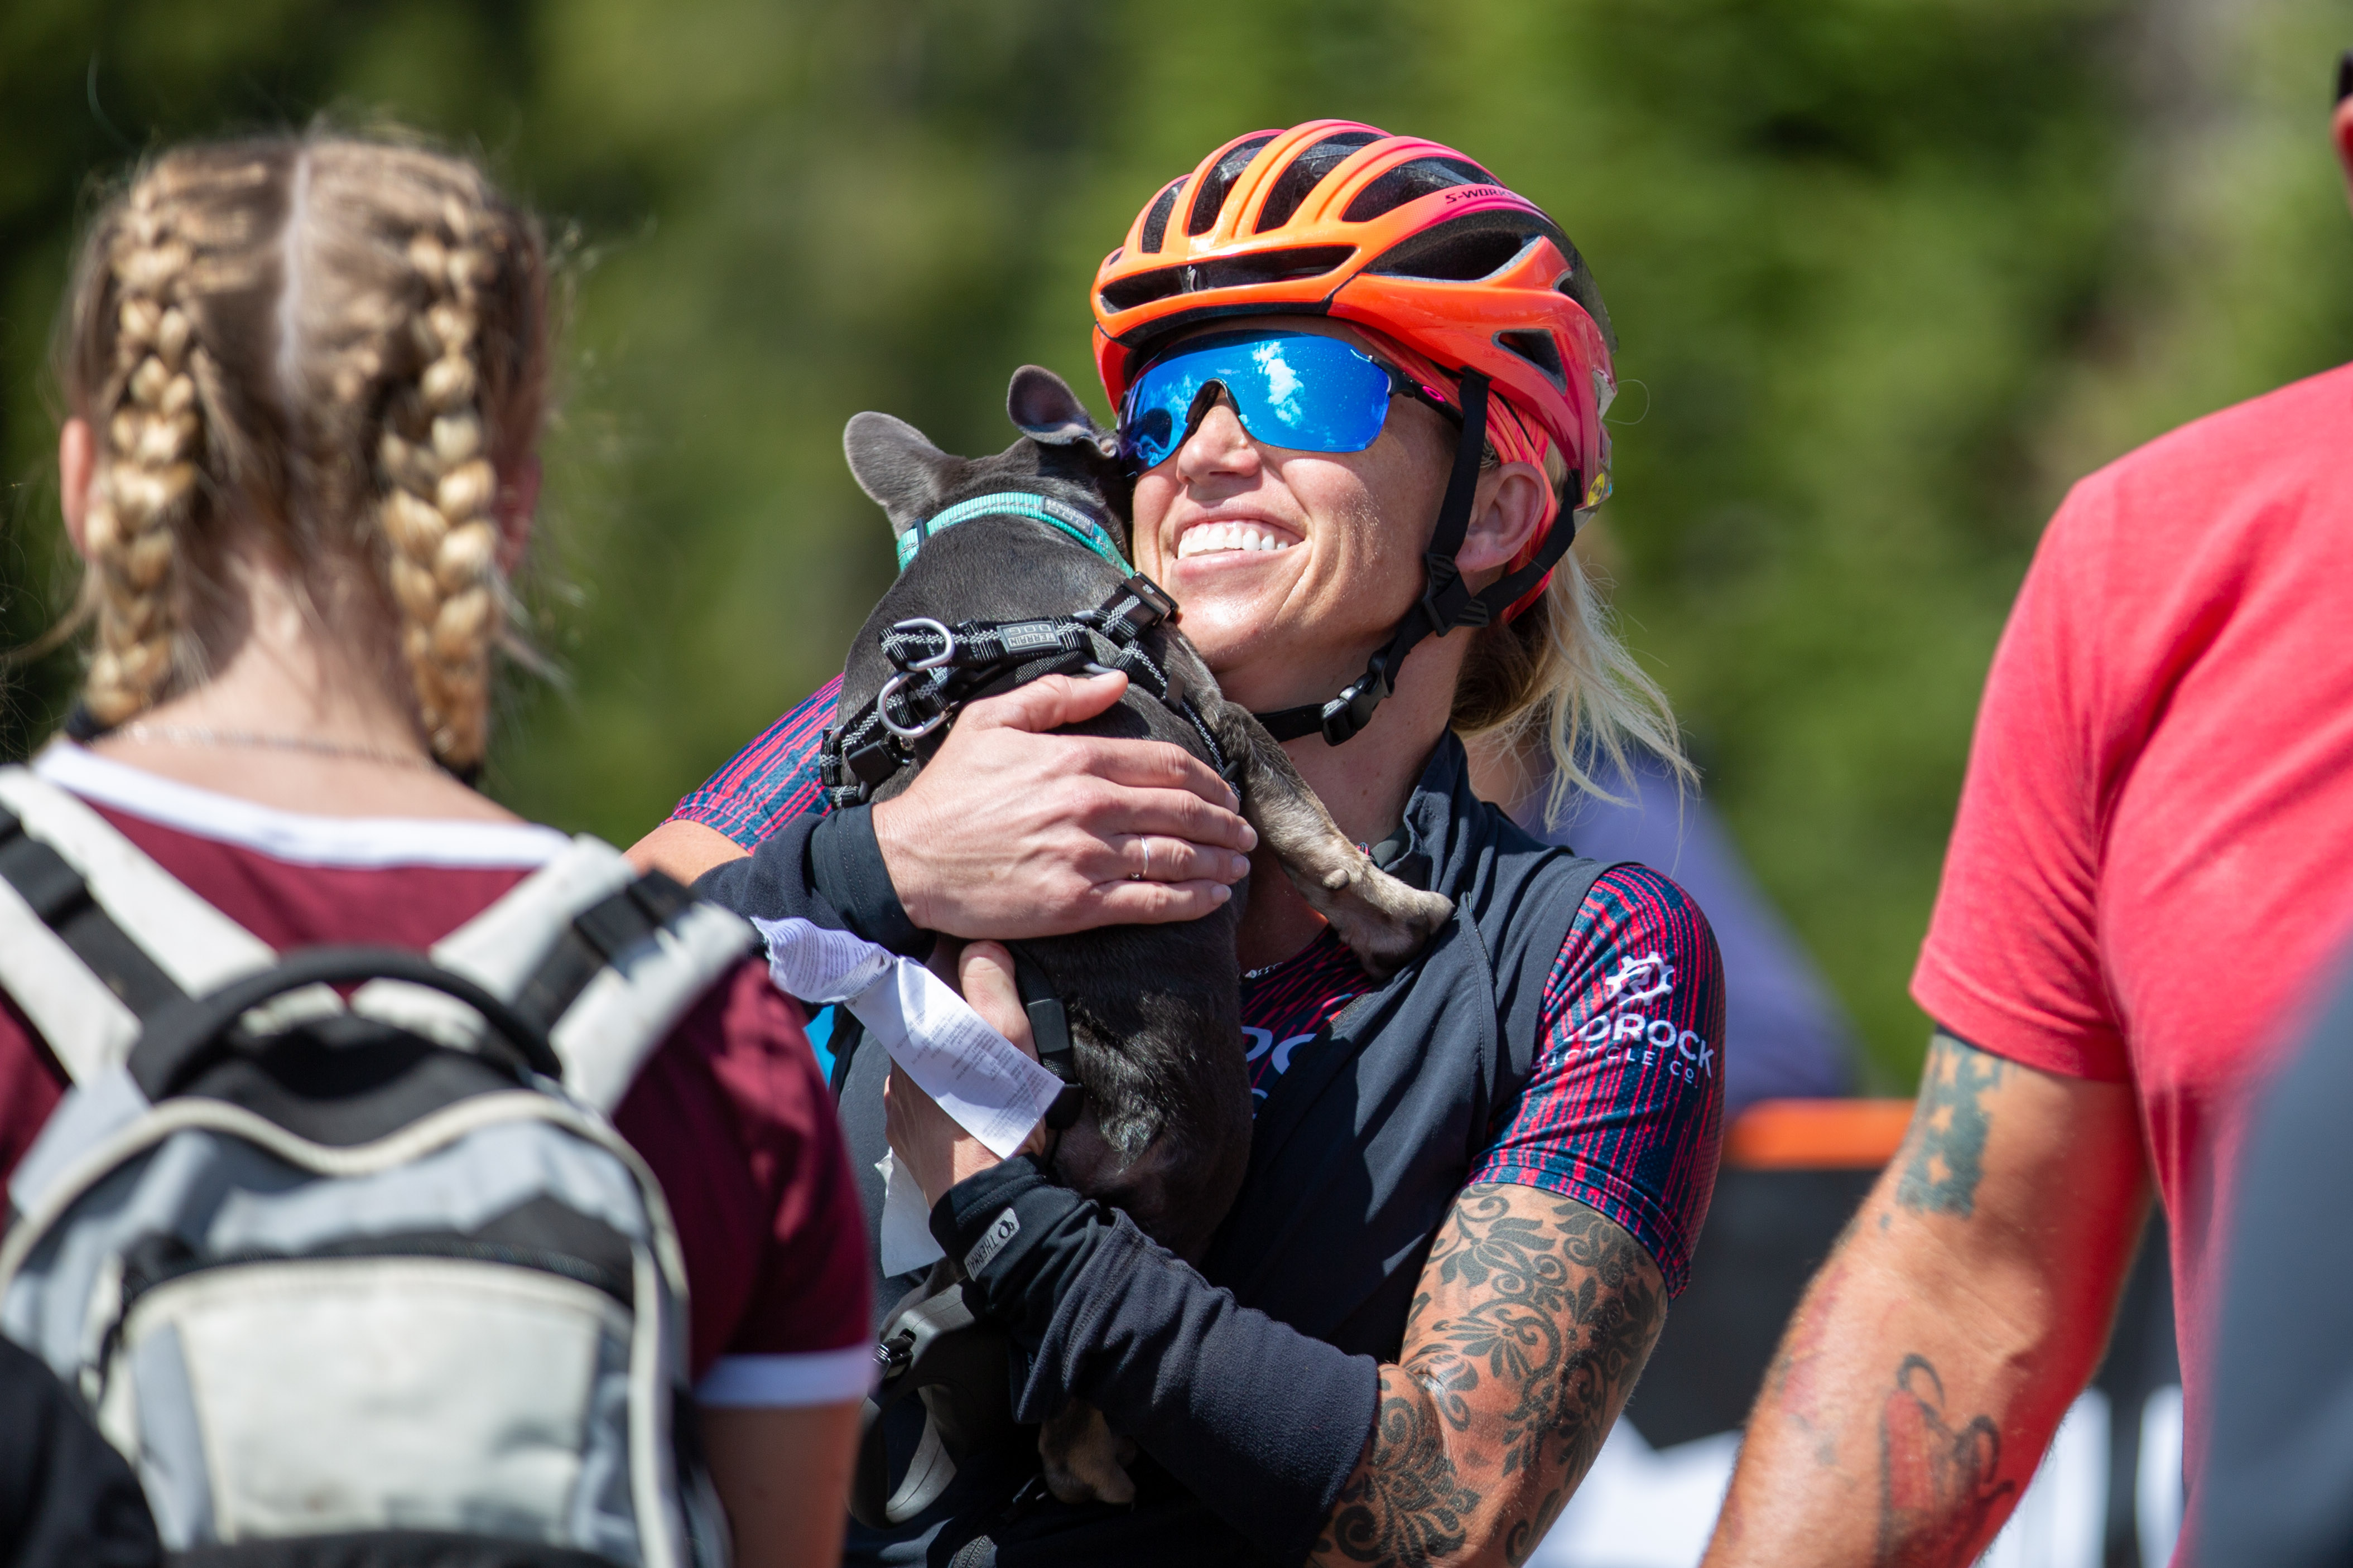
(1054, 514)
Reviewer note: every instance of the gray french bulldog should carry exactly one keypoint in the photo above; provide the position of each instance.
(1154, 1011)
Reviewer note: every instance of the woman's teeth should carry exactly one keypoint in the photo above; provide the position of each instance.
(1210, 538)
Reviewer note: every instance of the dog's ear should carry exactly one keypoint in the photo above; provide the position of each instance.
(1044, 408)
(904, 473)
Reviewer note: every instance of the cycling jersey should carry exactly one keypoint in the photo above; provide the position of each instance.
(1558, 1031)
(1615, 1114)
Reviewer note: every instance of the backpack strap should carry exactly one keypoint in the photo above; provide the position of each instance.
(646, 986)
(606, 960)
(95, 936)
(502, 948)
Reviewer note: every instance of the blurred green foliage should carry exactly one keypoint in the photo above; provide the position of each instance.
(1888, 277)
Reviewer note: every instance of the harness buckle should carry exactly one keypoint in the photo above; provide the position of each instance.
(946, 655)
(868, 763)
(891, 689)
(1153, 596)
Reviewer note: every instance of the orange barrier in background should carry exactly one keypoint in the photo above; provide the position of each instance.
(1817, 1134)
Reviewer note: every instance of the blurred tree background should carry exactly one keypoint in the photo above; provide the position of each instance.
(1888, 278)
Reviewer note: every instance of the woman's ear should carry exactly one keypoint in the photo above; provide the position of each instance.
(1503, 517)
(76, 464)
(517, 503)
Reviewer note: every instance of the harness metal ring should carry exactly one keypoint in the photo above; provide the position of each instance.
(947, 647)
(882, 710)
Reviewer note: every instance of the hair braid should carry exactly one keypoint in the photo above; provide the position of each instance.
(311, 357)
(439, 487)
(151, 427)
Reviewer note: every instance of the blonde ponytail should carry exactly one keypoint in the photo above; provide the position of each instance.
(1559, 671)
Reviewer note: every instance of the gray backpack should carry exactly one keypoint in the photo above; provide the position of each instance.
(370, 1281)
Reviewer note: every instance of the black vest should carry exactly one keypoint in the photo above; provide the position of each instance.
(1357, 1153)
(1360, 1150)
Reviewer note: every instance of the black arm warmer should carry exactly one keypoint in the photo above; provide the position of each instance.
(1260, 1422)
(826, 870)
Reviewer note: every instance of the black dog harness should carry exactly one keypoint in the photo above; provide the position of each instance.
(933, 1347)
(941, 668)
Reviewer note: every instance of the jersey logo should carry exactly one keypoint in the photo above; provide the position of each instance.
(1621, 1032)
(1263, 1041)
(1639, 979)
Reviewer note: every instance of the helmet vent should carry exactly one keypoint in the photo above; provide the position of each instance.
(1212, 194)
(1469, 248)
(1578, 285)
(1412, 180)
(1457, 253)
(1539, 349)
(1305, 173)
(1156, 221)
(1227, 272)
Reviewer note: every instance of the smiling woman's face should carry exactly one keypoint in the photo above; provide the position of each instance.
(1292, 567)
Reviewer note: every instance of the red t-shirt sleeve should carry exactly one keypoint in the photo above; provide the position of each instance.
(31, 1084)
(737, 1125)
(2012, 962)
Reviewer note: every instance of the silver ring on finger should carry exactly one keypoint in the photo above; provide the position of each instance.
(1146, 875)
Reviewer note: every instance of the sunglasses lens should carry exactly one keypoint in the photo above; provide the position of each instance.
(1297, 390)
(1150, 437)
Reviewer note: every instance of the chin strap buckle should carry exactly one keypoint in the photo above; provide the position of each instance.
(1350, 711)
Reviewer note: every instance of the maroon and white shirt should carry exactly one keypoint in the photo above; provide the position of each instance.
(729, 1110)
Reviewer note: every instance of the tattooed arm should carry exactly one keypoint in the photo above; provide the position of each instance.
(1958, 1317)
(1534, 1316)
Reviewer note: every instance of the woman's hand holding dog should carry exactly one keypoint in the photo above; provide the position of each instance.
(1011, 832)
(938, 1152)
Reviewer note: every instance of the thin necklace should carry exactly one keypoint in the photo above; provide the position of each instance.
(188, 735)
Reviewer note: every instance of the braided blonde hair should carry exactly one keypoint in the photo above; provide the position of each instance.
(324, 350)
(150, 419)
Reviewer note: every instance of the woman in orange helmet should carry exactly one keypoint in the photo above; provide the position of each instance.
(1361, 382)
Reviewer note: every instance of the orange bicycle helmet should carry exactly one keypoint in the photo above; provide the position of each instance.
(1454, 277)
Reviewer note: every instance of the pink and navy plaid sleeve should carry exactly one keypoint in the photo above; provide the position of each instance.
(770, 781)
(1623, 1110)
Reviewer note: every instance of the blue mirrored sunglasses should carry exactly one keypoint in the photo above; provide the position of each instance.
(1300, 390)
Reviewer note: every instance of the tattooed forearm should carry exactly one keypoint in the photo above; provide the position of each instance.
(1939, 1483)
(1943, 1153)
(1407, 1503)
(1535, 1314)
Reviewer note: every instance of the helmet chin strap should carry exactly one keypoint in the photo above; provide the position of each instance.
(1446, 603)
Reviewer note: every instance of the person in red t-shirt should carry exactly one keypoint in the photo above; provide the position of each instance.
(2147, 872)
(305, 375)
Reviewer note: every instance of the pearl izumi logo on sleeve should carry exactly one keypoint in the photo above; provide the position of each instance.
(1006, 1228)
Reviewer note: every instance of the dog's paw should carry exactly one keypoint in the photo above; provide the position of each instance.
(1084, 1460)
(1385, 922)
